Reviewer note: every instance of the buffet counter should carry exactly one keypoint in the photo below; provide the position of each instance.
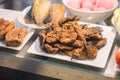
(23, 61)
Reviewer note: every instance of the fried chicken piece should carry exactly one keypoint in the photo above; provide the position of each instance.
(15, 37)
(4, 31)
(52, 36)
(57, 12)
(93, 32)
(78, 43)
(79, 31)
(63, 47)
(67, 36)
(40, 10)
(3, 24)
(79, 53)
(91, 51)
(97, 29)
(68, 26)
(101, 43)
(88, 31)
(98, 43)
(69, 19)
(42, 36)
(95, 36)
(50, 49)
(54, 33)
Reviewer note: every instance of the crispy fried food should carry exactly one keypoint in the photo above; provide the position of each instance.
(57, 12)
(78, 43)
(40, 10)
(6, 29)
(95, 36)
(67, 36)
(101, 43)
(93, 32)
(79, 53)
(52, 36)
(79, 31)
(75, 40)
(51, 49)
(42, 36)
(4, 24)
(15, 37)
(91, 51)
(68, 26)
(69, 19)
(63, 47)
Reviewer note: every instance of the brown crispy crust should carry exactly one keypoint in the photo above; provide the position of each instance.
(15, 37)
(5, 27)
(4, 24)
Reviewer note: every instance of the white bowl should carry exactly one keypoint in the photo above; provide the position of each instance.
(90, 16)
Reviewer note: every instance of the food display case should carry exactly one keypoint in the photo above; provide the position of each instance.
(27, 58)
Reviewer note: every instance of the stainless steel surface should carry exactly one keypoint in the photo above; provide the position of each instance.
(20, 60)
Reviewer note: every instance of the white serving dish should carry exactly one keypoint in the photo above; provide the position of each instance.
(28, 36)
(101, 59)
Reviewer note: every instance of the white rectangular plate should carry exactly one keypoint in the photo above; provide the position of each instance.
(99, 61)
(28, 36)
(12, 17)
